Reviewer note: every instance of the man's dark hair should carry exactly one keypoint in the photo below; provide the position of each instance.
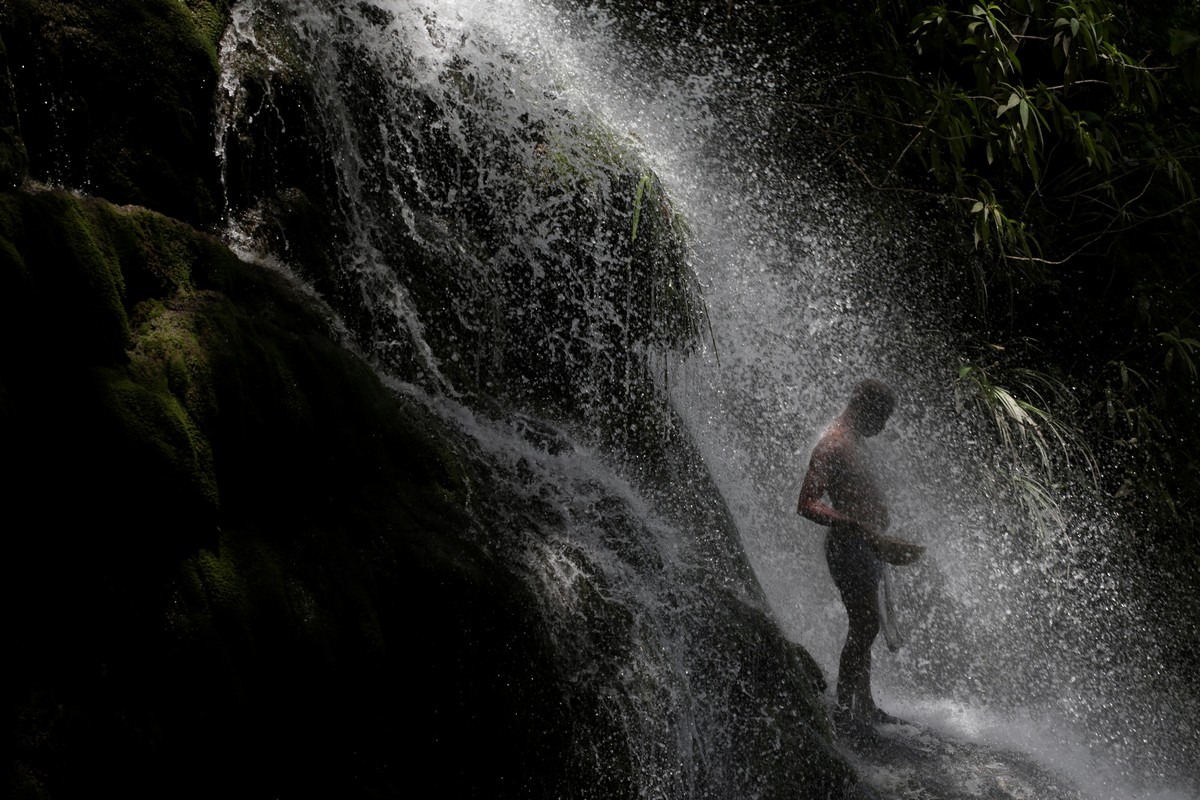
(874, 395)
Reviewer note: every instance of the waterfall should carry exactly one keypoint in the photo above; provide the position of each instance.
(458, 181)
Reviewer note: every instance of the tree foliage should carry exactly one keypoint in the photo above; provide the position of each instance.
(1049, 133)
(1064, 136)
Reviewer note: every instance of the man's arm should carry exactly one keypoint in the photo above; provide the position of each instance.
(822, 469)
(816, 481)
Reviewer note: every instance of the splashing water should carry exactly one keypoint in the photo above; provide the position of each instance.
(489, 136)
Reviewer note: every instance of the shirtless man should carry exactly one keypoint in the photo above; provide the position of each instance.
(856, 514)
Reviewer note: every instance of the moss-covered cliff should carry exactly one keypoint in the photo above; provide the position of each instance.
(115, 98)
(237, 564)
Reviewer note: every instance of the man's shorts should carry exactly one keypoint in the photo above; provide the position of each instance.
(855, 570)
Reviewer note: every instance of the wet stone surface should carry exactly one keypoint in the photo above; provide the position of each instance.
(910, 762)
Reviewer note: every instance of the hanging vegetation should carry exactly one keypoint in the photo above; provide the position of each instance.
(1064, 137)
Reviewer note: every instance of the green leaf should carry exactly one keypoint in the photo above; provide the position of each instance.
(1182, 41)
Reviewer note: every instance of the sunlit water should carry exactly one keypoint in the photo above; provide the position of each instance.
(1042, 646)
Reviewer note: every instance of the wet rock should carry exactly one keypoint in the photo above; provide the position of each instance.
(116, 98)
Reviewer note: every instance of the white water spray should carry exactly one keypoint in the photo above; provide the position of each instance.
(785, 257)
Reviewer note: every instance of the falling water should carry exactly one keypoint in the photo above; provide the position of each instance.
(499, 137)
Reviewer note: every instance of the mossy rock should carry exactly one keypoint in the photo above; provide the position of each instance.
(248, 555)
(116, 98)
(210, 19)
(14, 161)
(562, 325)
(58, 256)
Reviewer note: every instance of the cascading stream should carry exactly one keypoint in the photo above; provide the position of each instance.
(482, 161)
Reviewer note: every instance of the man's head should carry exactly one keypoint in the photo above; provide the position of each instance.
(871, 403)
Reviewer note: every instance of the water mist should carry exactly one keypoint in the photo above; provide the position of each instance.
(484, 160)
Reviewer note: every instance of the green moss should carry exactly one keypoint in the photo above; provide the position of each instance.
(98, 263)
(14, 160)
(8, 101)
(78, 269)
(101, 266)
(12, 265)
(218, 581)
(156, 252)
(168, 350)
(210, 20)
(243, 582)
(12, 224)
(349, 550)
(162, 439)
(116, 98)
(340, 508)
(586, 149)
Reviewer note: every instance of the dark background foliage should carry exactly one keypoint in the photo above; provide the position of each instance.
(1058, 143)
(1062, 138)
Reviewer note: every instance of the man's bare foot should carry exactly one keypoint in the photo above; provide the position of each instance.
(874, 716)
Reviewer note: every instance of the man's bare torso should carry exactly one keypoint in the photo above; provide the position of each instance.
(843, 465)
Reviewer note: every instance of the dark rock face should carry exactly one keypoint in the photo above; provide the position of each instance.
(237, 560)
(14, 161)
(196, 596)
(116, 98)
(236, 563)
(503, 317)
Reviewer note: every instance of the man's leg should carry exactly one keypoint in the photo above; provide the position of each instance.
(854, 571)
(854, 668)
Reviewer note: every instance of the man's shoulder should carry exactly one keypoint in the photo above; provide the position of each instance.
(833, 444)
(835, 436)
